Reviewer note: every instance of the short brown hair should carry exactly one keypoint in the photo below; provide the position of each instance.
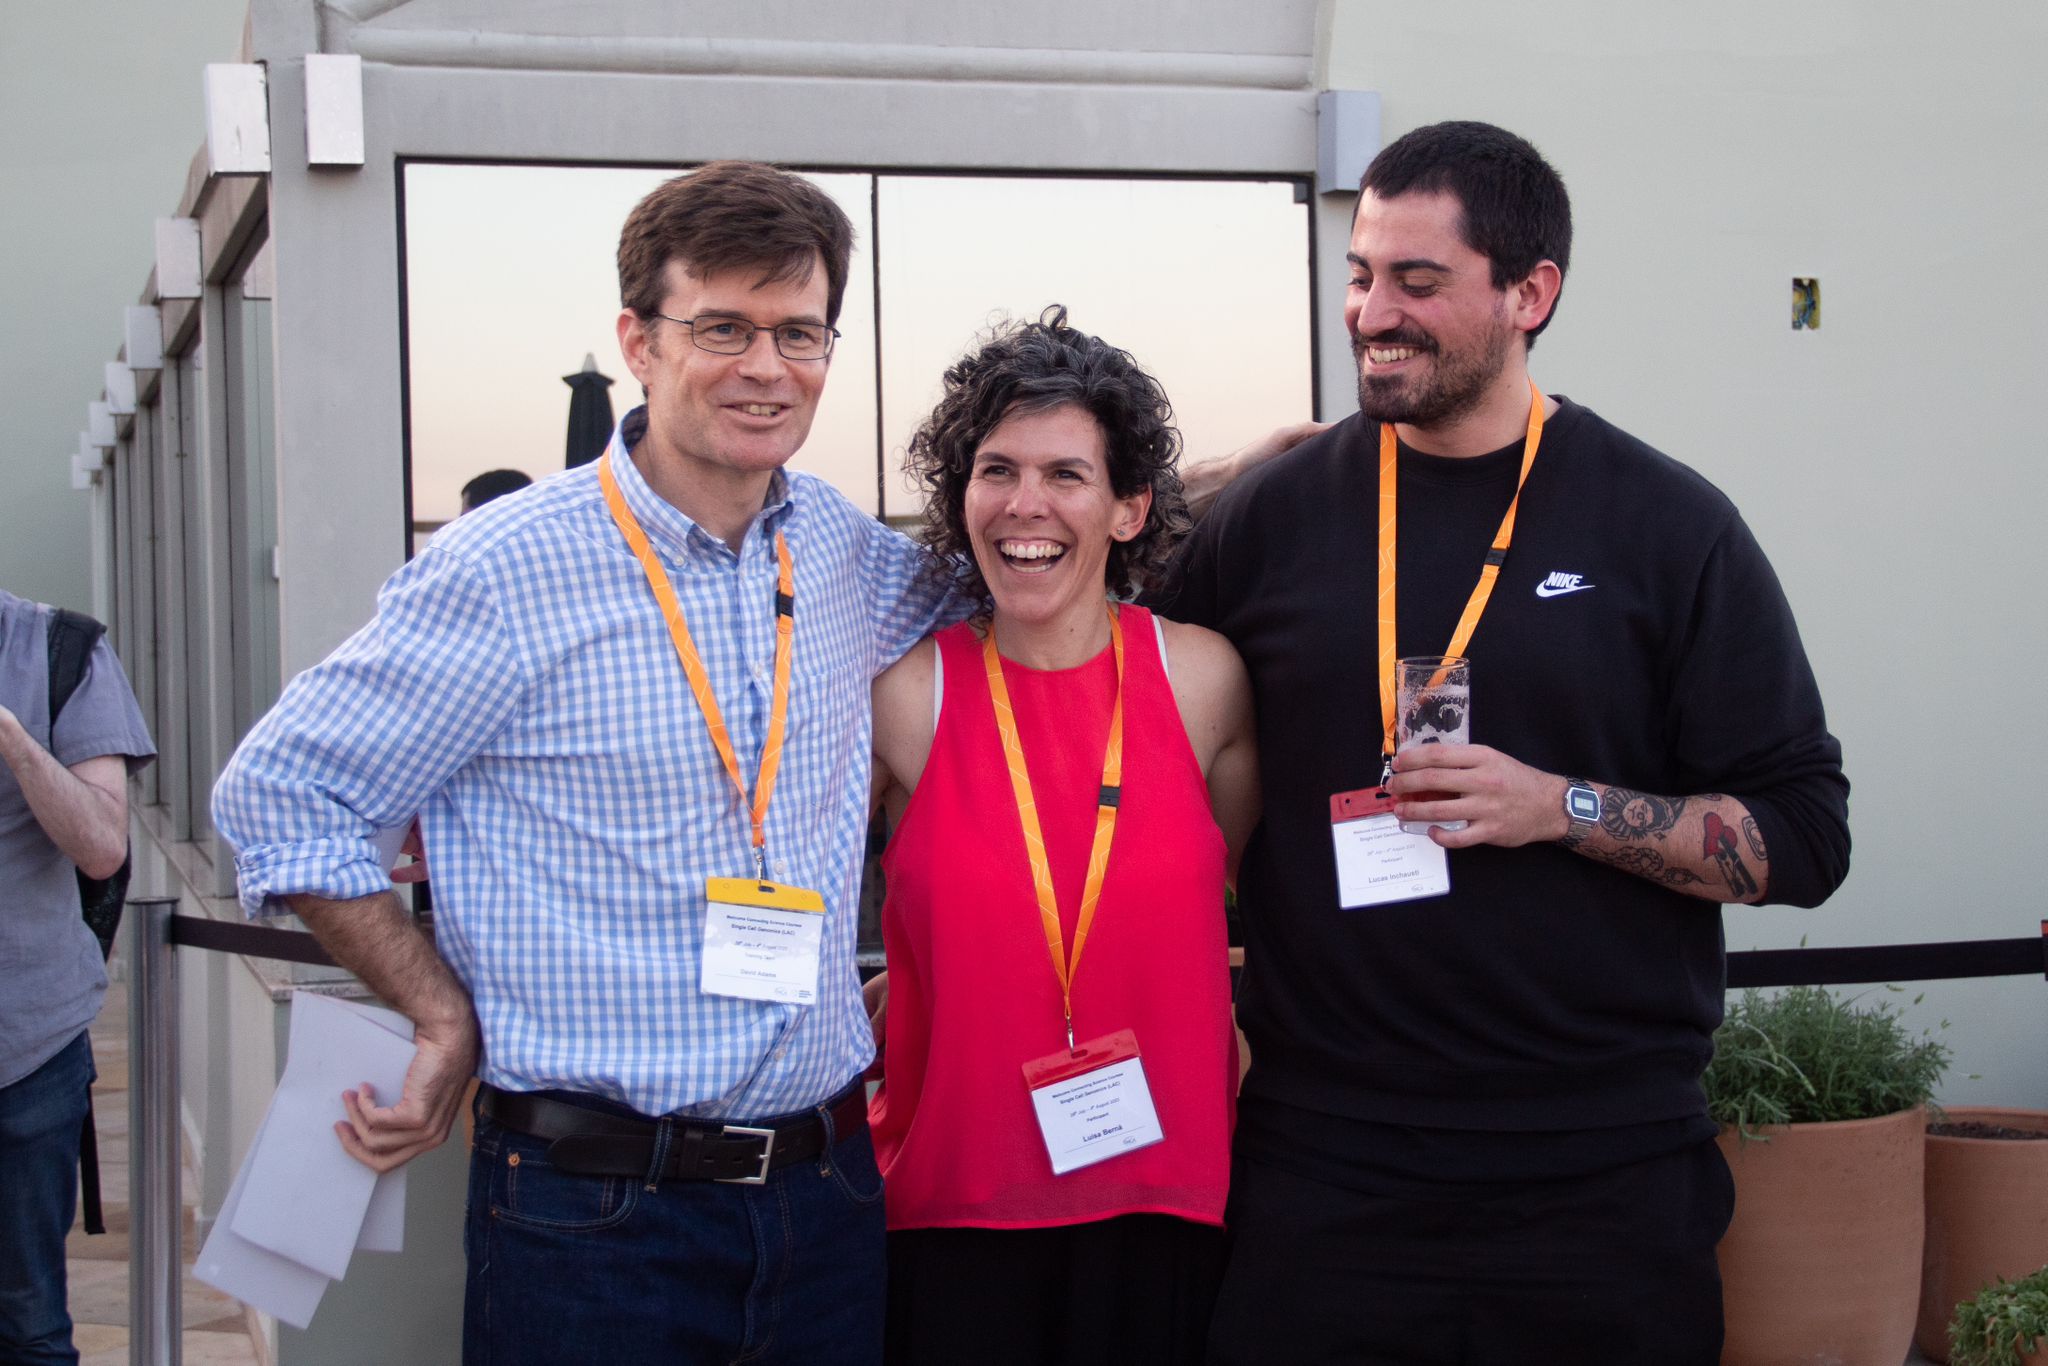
(729, 214)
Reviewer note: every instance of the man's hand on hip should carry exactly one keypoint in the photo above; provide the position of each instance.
(375, 938)
(385, 1137)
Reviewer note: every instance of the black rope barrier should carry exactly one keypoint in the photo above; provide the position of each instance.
(1891, 962)
(251, 941)
(2022, 957)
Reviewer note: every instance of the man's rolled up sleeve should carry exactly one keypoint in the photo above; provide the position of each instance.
(359, 742)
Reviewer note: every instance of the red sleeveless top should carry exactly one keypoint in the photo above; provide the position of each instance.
(972, 993)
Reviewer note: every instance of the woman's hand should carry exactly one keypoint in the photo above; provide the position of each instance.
(874, 994)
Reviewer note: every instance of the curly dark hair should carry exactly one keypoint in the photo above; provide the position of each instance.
(1031, 367)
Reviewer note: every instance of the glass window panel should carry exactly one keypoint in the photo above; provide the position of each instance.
(251, 511)
(196, 756)
(511, 279)
(1206, 282)
(173, 735)
(114, 485)
(141, 659)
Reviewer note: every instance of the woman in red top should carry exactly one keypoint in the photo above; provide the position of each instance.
(1059, 1066)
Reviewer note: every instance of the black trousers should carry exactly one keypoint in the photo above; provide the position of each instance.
(1613, 1269)
(1129, 1291)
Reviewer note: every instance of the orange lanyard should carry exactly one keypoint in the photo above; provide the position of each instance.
(693, 667)
(1475, 605)
(1027, 812)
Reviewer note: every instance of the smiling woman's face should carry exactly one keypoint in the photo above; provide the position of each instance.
(1040, 513)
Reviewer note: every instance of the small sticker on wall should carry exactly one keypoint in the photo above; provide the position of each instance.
(1805, 303)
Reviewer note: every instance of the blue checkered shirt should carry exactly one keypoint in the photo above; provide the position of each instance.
(518, 690)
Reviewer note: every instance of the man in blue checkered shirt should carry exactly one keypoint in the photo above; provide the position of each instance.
(662, 1171)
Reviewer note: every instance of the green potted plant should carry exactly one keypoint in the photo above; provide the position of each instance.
(1987, 1209)
(2005, 1325)
(1821, 1103)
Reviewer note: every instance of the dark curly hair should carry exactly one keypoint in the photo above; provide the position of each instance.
(1031, 367)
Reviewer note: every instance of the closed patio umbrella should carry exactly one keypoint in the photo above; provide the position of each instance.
(590, 413)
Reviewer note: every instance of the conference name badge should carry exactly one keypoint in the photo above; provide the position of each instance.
(1377, 861)
(761, 941)
(1092, 1102)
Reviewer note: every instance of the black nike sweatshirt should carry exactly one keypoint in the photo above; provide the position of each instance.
(1546, 991)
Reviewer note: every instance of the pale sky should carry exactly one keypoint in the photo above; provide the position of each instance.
(511, 279)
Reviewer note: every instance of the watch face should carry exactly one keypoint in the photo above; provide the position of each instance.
(1582, 803)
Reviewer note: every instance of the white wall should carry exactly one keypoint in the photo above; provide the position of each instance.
(1889, 462)
(100, 113)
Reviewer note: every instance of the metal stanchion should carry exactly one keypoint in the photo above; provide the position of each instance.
(155, 1200)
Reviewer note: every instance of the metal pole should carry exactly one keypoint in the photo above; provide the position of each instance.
(155, 1197)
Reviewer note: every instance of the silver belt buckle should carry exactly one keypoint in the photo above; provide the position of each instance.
(767, 1137)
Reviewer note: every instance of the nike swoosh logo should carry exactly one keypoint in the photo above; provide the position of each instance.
(1544, 590)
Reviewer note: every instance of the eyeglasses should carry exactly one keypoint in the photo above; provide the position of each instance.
(732, 336)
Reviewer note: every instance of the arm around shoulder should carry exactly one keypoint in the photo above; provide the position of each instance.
(908, 591)
(1206, 480)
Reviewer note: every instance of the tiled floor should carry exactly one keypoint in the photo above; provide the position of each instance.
(97, 1266)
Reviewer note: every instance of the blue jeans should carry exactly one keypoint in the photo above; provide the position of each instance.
(601, 1269)
(40, 1119)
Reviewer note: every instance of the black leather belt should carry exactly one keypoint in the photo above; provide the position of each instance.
(594, 1143)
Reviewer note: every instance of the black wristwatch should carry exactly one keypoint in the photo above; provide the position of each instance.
(1582, 809)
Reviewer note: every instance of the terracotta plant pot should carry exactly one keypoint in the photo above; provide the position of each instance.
(1987, 1216)
(1822, 1262)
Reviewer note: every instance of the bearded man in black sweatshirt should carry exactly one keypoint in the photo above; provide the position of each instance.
(1473, 1129)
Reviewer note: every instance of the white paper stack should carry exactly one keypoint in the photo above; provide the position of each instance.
(300, 1207)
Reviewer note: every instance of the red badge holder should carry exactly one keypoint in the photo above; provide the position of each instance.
(1358, 805)
(1105, 1051)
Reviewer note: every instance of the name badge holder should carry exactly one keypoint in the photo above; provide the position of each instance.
(761, 941)
(1378, 862)
(1092, 1102)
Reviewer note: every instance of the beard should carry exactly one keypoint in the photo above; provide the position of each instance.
(1455, 383)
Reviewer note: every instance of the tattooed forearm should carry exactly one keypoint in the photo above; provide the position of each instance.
(1705, 845)
(1718, 844)
(1649, 864)
(1630, 815)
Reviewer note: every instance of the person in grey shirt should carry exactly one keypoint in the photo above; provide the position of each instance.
(63, 806)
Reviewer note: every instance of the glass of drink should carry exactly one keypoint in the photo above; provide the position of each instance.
(1432, 706)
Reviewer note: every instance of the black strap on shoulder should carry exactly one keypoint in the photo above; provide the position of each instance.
(72, 638)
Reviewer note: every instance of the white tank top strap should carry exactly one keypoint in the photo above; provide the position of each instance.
(1159, 634)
